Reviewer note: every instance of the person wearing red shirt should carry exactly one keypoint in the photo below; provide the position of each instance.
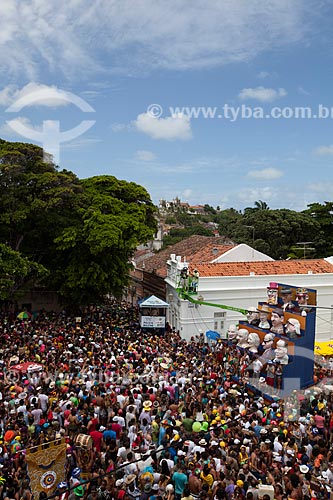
(97, 437)
(116, 427)
(92, 424)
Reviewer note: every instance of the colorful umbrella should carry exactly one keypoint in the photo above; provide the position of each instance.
(24, 315)
(211, 335)
(28, 366)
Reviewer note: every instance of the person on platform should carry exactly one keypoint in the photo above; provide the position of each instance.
(194, 281)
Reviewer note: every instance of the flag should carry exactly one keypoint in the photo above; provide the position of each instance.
(46, 466)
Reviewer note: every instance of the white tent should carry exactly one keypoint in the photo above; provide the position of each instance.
(154, 301)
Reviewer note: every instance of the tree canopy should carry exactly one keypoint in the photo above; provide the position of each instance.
(274, 232)
(76, 235)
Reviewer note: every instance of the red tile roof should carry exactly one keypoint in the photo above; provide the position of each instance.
(316, 266)
(196, 249)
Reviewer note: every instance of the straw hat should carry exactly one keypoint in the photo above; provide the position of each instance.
(129, 479)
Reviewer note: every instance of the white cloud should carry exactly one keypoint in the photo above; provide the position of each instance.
(78, 144)
(249, 195)
(324, 150)
(6, 95)
(187, 193)
(263, 74)
(47, 95)
(321, 187)
(169, 128)
(172, 168)
(119, 127)
(79, 38)
(262, 94)
(265, 174)
(144, 155)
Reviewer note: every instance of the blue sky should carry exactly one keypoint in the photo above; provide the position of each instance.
(121, 56)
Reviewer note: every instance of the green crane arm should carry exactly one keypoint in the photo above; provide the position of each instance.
(188, 297)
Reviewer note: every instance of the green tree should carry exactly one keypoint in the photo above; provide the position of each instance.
(276, 232)
(171, 220)
(209, 209)
(15, 271)
(230, 222)
(323, 215)
(111, 219)
(83, 232)
(30, 190)
(261, 205)
(281, 230)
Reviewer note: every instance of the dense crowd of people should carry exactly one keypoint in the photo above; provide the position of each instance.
(167, 419)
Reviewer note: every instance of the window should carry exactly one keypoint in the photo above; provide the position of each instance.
(219, 315)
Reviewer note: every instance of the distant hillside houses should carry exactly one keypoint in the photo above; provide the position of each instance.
(177, 205)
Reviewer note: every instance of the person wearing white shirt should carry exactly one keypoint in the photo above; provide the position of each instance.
(241, 408)
(308, 449)
(278, 445)
(43, 400)
(121, 421)
(121, 400)
(130, 414)
(330, 474)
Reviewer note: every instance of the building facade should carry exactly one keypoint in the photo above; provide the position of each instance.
(242, 285)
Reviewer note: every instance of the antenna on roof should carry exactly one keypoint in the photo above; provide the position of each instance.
(305, 246)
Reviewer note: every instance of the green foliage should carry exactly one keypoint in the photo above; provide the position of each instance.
(230, 222)
(83, 232)
(16, 270)
(171, 240)
(171, 220)
(209, 209)
(178, 234)
(323, 215)
(276, 232)
(112, 219)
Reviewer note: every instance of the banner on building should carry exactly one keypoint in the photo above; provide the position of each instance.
(152, 322)
(46, 466)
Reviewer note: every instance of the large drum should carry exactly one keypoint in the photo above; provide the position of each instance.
(84, 442)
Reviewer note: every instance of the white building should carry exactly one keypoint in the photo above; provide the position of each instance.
(243, 284)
